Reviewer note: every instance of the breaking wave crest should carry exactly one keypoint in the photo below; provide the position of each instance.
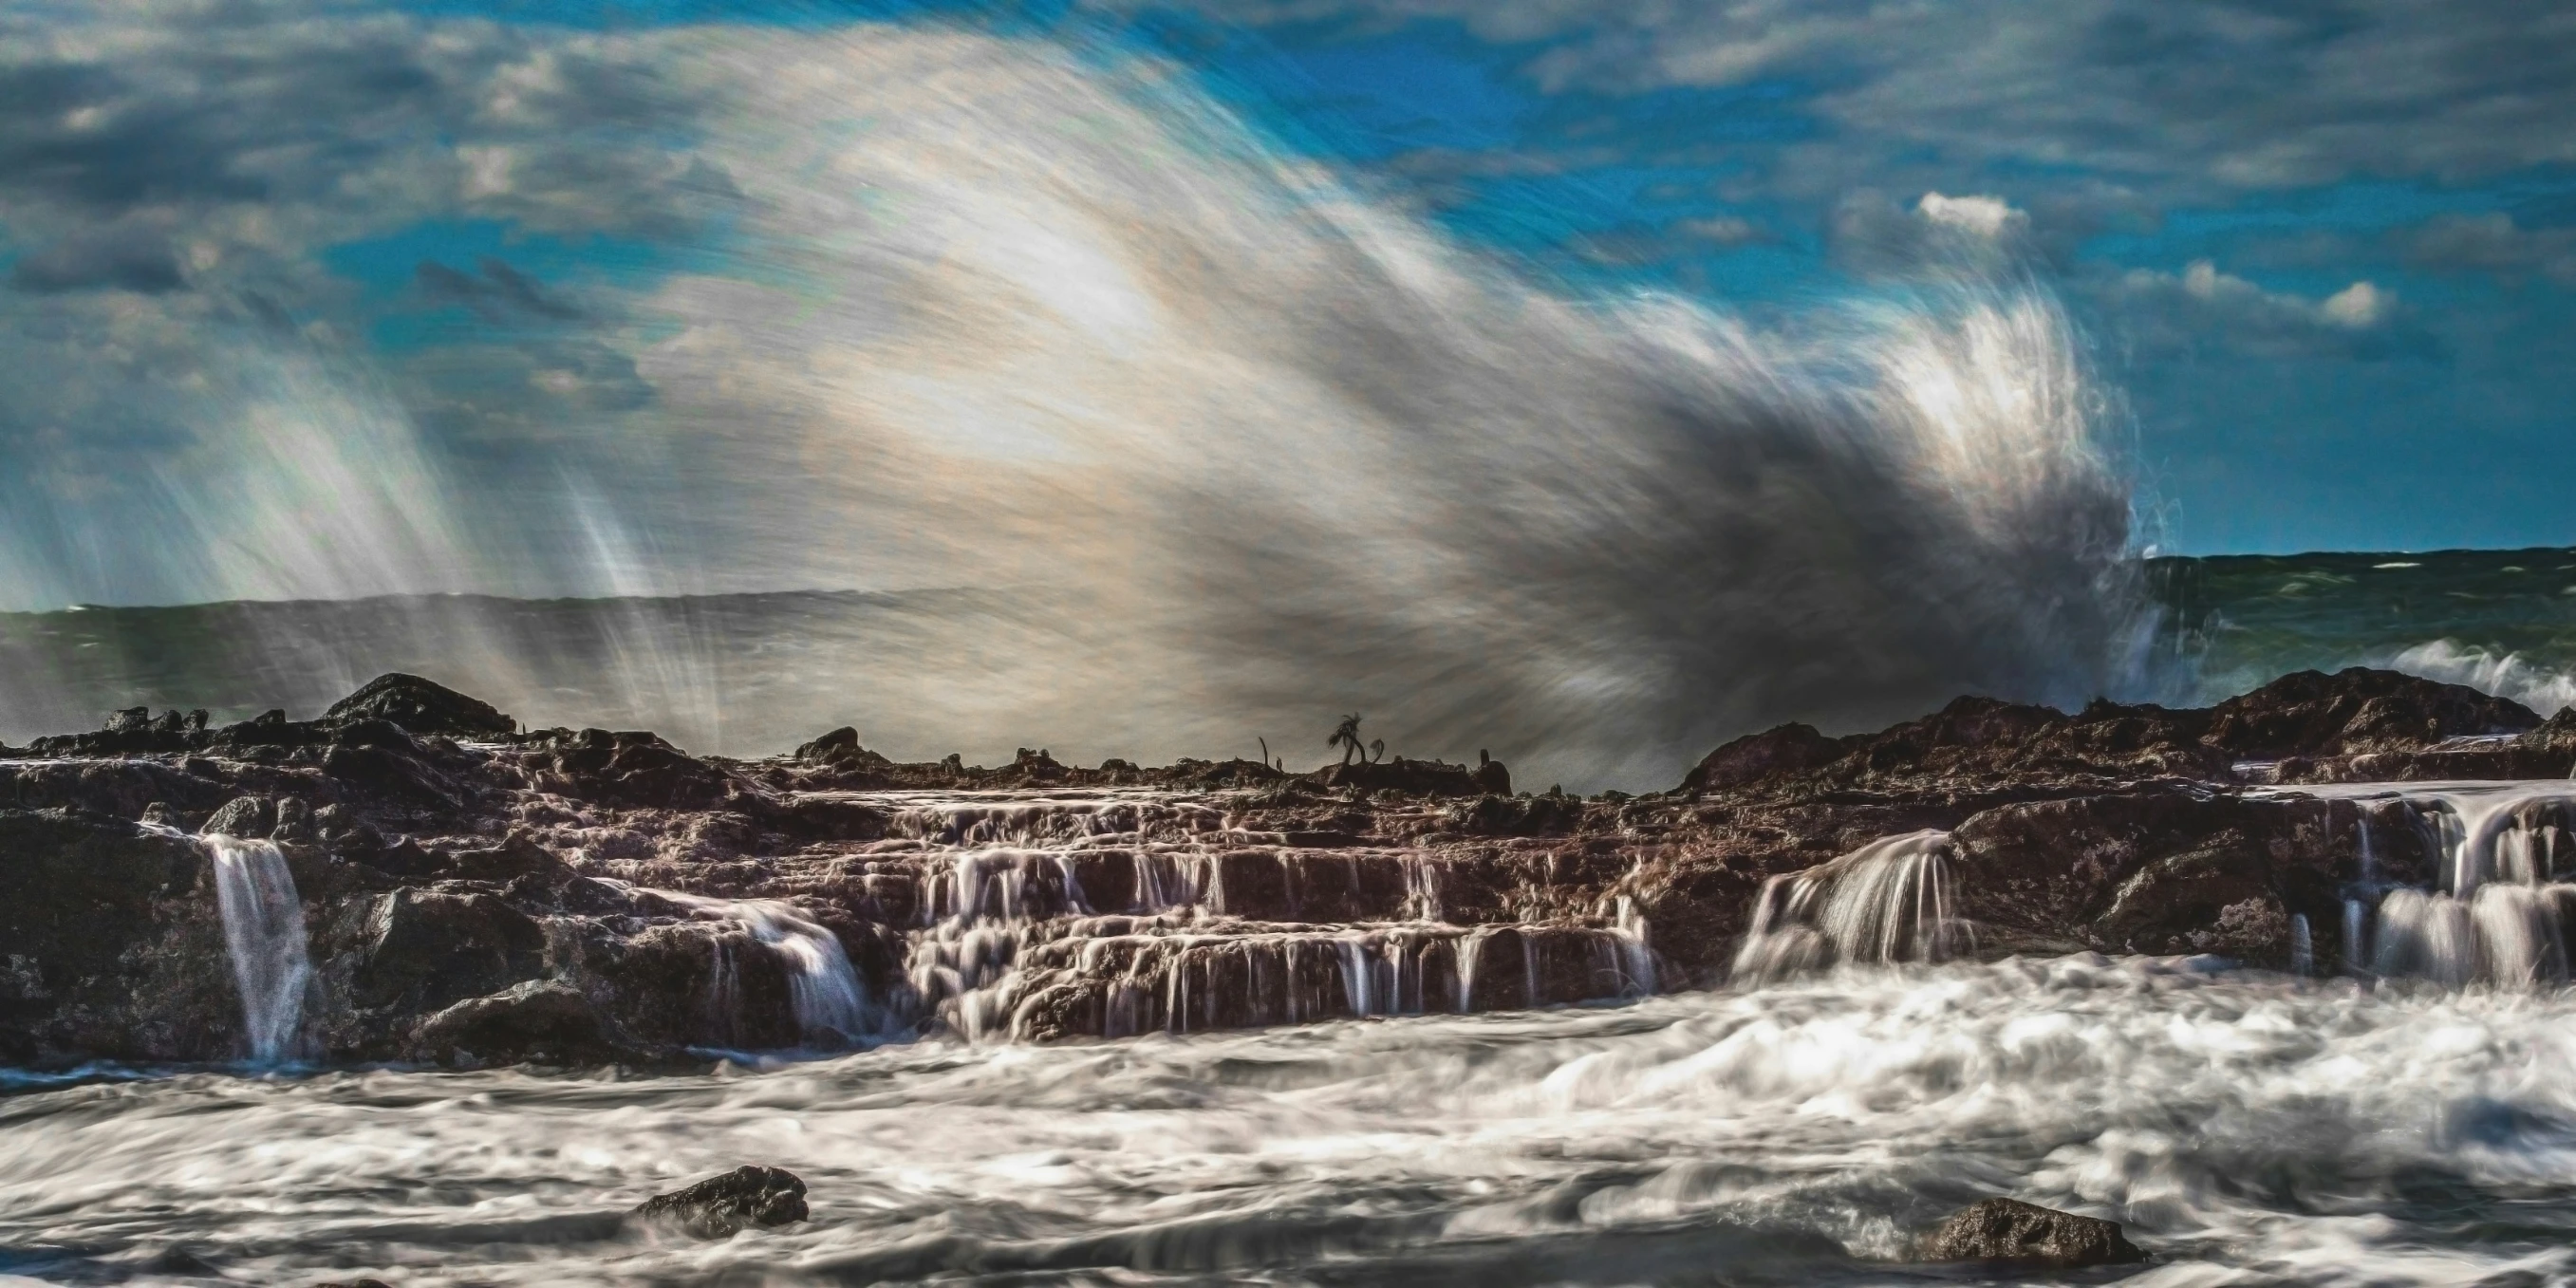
(2506, 675)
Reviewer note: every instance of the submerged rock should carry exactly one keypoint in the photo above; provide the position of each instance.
(2030, 1235)
(722, 1206)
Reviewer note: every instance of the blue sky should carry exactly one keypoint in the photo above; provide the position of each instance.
(2321, 256)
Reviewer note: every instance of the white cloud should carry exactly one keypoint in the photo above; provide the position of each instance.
(2492, 243)
(1989, 217)
(2357, 307)
(2203, 304)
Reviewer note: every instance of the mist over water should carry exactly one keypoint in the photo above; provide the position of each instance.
(1221, 443)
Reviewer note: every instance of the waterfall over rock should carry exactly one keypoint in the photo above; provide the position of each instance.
(2491, 906)
(830, 1002)
(1120, 914)
(264, 936)
(1887, 901)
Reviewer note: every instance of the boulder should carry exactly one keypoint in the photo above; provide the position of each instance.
(1754, 757)
(247, 818)
(722, 1206)
(2029, 1235)
(2310, 713)
(533, 1022)
(421, 707)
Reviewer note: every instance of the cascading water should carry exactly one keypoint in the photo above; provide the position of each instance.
(824, 990)
(1885, 902)
(264, 937)
(2497, 914)
(1138, 913)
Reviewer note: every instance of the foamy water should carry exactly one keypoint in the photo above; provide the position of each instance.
(2247, 1128)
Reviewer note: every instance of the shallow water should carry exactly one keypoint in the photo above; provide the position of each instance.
(2247, 1128)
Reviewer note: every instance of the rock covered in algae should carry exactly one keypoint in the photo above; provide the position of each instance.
(2025, 1233)
(721, 1206)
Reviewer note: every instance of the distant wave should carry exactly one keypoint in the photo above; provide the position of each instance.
(2505, 675)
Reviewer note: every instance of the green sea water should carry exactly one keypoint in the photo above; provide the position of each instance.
(2499, 620)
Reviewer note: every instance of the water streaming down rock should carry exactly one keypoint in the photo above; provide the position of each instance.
(1885, 902)
(2495, 912)
(264, 936)
(1119, 914)
(830, 1002)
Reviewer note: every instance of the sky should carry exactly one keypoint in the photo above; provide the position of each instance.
(315, 299)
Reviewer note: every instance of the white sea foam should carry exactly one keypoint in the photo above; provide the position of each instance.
(2245, 1128)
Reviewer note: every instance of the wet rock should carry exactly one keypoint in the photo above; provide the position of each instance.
(635, 769)
(429, 950)
(1410, 777)
(2025, 1234)
(246, 817)
(535, 1022)
(492, 899)
(110, 943)
(421, 707)
(747, 1197)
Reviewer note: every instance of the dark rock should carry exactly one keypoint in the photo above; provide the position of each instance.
(1409, 777)
(534, 1022)
(109, 944)
(2025, 1234)
(637, 769)
(421, 707)
(722, 1206)
(247, 817)
(1754, 757)
(177, 1259)
(2310, 713)
(430, 949)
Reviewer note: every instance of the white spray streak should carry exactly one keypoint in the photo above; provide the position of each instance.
(1243, 443)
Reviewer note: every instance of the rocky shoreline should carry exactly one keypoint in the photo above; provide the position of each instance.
(471, 893)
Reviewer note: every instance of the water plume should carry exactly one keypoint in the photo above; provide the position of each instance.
(1236, 442)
